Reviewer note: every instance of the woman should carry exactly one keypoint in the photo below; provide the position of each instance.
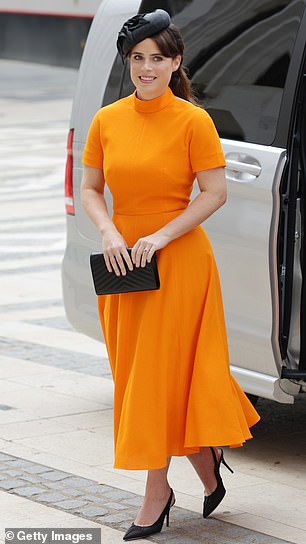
(174, 394)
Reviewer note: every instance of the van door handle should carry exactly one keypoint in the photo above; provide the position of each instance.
(242, 168)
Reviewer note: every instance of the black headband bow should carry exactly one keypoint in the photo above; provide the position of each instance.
(139, 28)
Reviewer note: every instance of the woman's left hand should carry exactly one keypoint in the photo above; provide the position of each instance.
(145, 247)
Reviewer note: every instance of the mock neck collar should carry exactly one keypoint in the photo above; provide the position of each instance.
(155, 104)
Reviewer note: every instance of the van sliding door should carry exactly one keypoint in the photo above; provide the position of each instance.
(302, 361)
(292, 243)
(238, 61)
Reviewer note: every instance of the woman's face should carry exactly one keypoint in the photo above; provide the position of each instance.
(150, 70)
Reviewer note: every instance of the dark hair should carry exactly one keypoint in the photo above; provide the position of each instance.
(171, 44)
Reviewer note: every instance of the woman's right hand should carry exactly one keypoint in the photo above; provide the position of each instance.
(115, 252)
(93, 201)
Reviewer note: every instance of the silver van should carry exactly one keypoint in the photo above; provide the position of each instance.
(247, 63)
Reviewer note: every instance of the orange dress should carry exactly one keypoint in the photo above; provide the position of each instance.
(167, 348)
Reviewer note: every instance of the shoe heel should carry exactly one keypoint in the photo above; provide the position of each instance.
(222, 460)
(168, 519)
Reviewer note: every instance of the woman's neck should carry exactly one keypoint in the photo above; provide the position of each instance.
(150, 95)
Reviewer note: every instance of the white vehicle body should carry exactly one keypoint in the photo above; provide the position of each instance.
(246, 65)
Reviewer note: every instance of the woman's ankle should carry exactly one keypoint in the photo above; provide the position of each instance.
(204, 464)
(157, 492)
(157, 485)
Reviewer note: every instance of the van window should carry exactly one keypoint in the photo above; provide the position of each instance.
(237, 55)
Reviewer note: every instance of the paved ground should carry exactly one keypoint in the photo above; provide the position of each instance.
(56, 439)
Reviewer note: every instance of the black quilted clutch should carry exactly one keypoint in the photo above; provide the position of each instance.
(139, 279)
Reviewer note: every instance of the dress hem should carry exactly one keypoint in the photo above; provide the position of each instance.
(157, 466)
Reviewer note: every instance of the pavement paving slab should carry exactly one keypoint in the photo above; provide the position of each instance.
(117, 513)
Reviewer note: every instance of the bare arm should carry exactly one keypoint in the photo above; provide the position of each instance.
(212, 184)
(93, 202)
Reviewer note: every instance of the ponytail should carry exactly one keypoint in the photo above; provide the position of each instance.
(180, 86)
(170, 43)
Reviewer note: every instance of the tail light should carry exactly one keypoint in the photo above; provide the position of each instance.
(69, 202)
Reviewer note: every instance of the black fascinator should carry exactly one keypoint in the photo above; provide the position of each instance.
(139, 28)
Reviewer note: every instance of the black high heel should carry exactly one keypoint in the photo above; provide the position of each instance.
(213, 500)
(138, 531)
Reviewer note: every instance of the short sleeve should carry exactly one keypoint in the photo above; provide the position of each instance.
(205, 146)
(93, 152)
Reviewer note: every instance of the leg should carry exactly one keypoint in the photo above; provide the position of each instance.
(203, 463)
(156, 496)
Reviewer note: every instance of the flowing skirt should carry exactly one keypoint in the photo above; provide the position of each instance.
(169, 356)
